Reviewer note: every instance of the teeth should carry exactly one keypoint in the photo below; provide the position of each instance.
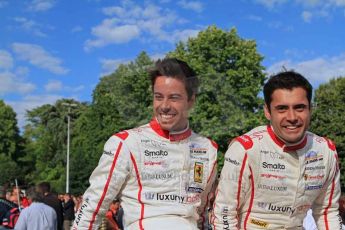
(291, 127)
(167, 116)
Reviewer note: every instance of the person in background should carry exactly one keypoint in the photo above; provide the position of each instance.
(162, 171)
(114, 221)
(38, 215)
(51, 200)
(68, 211)
(275, 173)
(5, 208)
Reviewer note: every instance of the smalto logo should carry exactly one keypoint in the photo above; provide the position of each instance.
(158, 153)
(270, 166)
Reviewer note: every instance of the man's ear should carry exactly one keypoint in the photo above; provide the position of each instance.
(191, 101)
(267, 112)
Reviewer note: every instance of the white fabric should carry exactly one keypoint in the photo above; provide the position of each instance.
(159, 176)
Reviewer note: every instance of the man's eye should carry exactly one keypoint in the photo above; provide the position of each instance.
(158, 97)
(300, 108)
(281, 109)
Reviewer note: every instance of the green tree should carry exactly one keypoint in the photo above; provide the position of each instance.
(121, 100)
(10, 145)
(46, 138)
(328, 116)
(231, 77)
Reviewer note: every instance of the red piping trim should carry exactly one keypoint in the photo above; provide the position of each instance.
(139, 193)
(239, 186)
(251, 198)
(105, 189)
(329, 205)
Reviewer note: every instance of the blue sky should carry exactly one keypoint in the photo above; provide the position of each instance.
(52, 49)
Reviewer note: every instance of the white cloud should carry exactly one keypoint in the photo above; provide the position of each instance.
(339, 2)
(131, 21)
(41, 5)
(307, 16)
(318, 70)
(10, 83)
(183, 35)
(30, 102)
(30, 26)
(37, 56)
(314, 8)
(191, 5)
(110, 65)
(6, 60)
(157, 56)
(109, 32)
(53, 86)
(270, 4)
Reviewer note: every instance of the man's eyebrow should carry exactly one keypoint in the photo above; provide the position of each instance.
(281, 106)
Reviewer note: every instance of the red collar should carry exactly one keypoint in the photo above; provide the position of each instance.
(282, 144)
(176, 136)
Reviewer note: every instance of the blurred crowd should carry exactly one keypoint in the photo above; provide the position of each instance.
(37, 207)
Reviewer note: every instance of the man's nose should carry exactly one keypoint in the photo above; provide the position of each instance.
(165, 105)
(291, 115)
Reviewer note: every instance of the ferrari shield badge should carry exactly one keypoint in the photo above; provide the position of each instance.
(198, 172)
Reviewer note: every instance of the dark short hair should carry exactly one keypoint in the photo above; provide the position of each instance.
(175, 68)
(34, 195)
(44, 187)
(286, 80)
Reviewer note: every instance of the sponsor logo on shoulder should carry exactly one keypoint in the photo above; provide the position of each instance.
(150, 143)
(109, 153)
(234, 162)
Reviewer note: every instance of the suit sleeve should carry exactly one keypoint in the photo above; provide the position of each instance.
(106, 182)
(325, 207)
(232, 188)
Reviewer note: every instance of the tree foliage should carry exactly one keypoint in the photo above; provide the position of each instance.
(46, 141)
(231, 76)
(10, 145)
(121, 101)
(328, 115)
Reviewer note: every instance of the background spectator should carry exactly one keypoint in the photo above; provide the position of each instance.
(51, 200)
(68, 211)
(38, 215)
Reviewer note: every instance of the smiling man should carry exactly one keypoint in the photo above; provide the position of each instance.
(162, 171)
(273, 174)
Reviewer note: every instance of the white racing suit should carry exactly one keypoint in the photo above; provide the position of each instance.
(163, 179)
(266, 184)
